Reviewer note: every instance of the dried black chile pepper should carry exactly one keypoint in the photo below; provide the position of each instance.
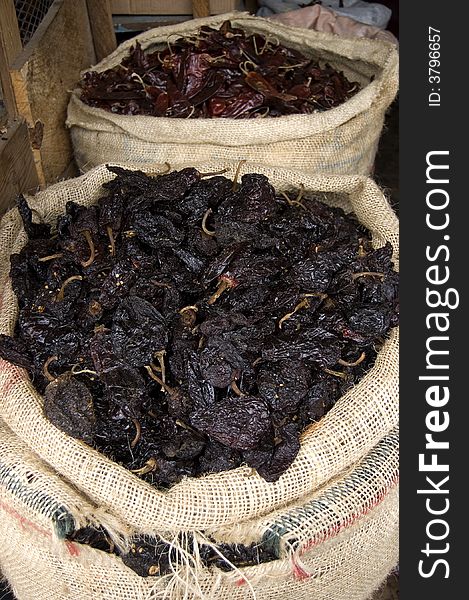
(68, 404)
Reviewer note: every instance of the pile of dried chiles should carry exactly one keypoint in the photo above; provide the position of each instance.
(217, 73)
(187, 324)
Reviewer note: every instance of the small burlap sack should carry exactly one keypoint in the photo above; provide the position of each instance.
(355, 424)
(338, 544)
(342, 140)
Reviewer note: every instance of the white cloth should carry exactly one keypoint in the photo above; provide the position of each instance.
(370, 13)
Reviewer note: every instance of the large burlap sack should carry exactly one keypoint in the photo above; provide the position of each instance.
(337, 544)
(342, 140)
(355, 424)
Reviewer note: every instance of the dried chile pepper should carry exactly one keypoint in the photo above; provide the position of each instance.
(68, 404)
(224, 73)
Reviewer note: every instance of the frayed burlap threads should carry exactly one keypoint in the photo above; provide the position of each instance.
(330, 563)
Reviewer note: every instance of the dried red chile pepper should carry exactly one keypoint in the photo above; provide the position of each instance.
(217, 73)
(200, 324)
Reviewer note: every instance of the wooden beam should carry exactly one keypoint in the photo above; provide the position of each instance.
(171, 7)
(3, 115)
(17, 172)
(200, 8)
(11, 40)
(23, 104)
(102, 28)
(10, 48)
(138, 23)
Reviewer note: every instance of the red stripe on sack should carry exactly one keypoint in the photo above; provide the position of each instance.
(3, 288)
(241, 582)
(13, 375)
(298, 571)
(8, 366)
(27, 524)
(23, 521)
(333, 531)
(72, 548)
(6, 386)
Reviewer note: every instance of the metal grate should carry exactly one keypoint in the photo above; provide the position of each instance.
(30, 14)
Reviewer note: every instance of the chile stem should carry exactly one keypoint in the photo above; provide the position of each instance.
(166, 387)
(45, 368)
(236, 175)
(335, 373)
(236, 390)
(112, 242)
(345, 363)
(148, 467)
(209, 232)
(50, 257)
(303, 304)
(138, 433)
(368, 274)
(222, 286)
(160, 356)
(89, 239)
(60, 295)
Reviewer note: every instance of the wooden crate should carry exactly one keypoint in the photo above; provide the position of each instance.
(172, 7)
(131, 17)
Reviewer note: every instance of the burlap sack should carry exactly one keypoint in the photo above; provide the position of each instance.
(339, 141)
(356, 423)
(339, 544)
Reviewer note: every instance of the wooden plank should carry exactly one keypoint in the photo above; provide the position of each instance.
(102, 29)
(11, 40)
(120, 7)
(3, 112)
(200, 8)
(10, 48)
(170, 7)
(43, 74)
(17, 172)
(24, 109)
(138, 23)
